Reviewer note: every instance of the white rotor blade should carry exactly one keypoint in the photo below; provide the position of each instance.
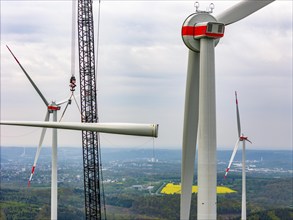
(150, 130)
(39, 149)
(189, 133)
(232, 157)
(241, 10)
(238, 116)
(29, 78)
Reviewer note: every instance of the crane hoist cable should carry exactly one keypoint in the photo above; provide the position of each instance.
(72, 81)
(73, 37)
(98, 37)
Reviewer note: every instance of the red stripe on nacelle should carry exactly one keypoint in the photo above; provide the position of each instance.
(187, 31)
(194, 31)
(54, 108)
(198, 31)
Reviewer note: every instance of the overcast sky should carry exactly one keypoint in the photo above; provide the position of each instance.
(142, 71)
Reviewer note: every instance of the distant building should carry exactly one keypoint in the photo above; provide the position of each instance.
(138, 187)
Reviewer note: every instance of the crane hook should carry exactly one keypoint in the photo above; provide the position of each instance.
(72, 83)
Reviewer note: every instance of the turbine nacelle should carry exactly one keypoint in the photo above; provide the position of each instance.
(53, 107)
(208, 29)
(243, 138)
(201, 25)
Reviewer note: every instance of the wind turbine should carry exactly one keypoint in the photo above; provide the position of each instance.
(52, 108)
(242, 138)
(201, 33)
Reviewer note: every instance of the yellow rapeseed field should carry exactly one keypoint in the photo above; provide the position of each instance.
(171, 188)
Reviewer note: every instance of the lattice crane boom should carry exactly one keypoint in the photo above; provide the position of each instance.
(89, 112)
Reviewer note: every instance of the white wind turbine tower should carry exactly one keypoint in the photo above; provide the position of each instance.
(242, 138)
(201, 32)
(150, 130)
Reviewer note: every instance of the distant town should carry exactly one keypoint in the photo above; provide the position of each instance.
(119, 165)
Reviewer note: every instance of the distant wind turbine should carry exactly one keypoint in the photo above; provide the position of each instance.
(201, 33)
(23, 154)
(242, 138)
(52, 108)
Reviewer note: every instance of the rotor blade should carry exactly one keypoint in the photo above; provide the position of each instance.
(249, 141)
(29, 78)
(150, 130)
(232, 157)
(39, 149)
(238, 116)
(241, 10)
(189, 133)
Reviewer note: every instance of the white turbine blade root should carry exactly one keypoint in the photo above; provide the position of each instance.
(238, 116)
(232, 157)
(149, 130)
(39, 149)
(241, 10)
(29, 78)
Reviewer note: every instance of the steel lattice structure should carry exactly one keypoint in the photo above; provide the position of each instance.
(89, 112)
